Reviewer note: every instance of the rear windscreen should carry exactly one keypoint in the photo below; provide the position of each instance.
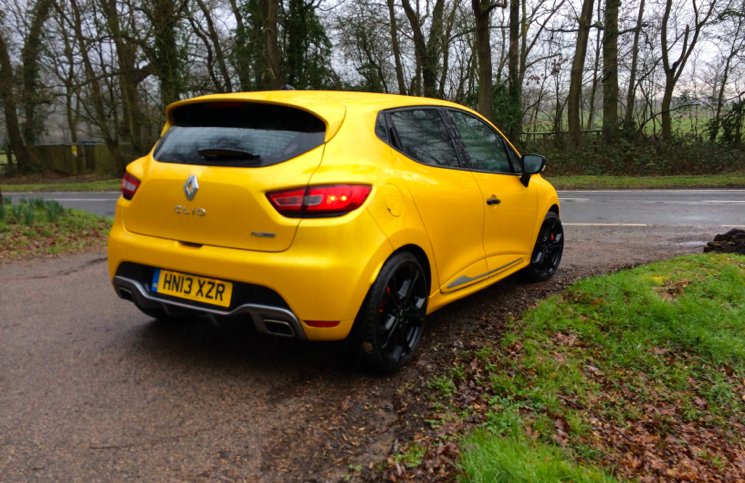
(238, 134)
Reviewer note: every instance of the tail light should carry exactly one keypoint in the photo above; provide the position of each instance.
(320, 201)
(129, 186)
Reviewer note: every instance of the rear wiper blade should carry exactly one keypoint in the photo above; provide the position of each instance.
(226, 154)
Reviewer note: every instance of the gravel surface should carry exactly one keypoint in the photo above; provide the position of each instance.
(93, 390)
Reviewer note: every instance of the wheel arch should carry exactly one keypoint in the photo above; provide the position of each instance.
(421, 256)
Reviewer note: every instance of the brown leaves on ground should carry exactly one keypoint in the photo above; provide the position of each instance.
(673, 290)
(73, 232)
(661, 444)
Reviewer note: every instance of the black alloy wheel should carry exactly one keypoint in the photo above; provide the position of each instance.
(548, 250)
(391, 320)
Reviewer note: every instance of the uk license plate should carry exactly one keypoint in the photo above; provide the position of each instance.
(191, 287)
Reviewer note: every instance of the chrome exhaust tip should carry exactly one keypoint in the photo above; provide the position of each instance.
(279, 327)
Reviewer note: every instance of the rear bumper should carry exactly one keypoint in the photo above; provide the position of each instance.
(324, 275)
(266, 319)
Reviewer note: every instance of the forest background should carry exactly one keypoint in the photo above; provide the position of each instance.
(644, 87)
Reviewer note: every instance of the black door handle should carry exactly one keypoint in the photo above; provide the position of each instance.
(493, 201)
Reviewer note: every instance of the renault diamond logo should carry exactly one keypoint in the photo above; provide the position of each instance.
(191, 187)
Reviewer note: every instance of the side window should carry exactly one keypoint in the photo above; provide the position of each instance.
(424, 137)
(380, 127)
(484, 146)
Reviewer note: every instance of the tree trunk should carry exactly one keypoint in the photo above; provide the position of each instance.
(673, 70)
(241, 55)
(96, 95)
(667, 100)
(426, 52)
(396, 50)
(735, 49)
(610, 72)
(720, 100)
(126, 57)
(591, 115)
(71, 89)
(165, 16)
(15, 138)
(631, 94)
(578, 67)
(30, 58)
(217, 43)
(269, 12)
(445, 48)
(514, 125)
(483, 52)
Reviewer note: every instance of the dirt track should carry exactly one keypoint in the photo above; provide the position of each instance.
(92, 390)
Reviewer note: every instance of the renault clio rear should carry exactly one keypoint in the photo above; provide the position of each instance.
(327, 215)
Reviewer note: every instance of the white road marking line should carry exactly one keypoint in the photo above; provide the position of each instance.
(605, 224)
(726, 226)
(723, 201)
(574, 199)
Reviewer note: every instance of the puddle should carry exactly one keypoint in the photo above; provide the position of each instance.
(693, 244)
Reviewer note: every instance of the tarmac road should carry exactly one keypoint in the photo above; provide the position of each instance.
(92, 390)
(703, 208)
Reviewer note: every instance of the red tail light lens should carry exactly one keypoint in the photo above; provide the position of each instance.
(322, 324)
(129, 186)
(320, 200)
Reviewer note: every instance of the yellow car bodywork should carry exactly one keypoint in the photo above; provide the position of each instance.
(324, 267)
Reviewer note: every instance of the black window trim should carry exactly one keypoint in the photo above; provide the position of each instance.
(464, 163)
(506, 145)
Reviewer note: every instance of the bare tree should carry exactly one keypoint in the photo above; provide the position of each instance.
(675, 69)
(610, 71)
(427, 51)
(482, 13)
(631, 93)
(15, 138)
(578, 66)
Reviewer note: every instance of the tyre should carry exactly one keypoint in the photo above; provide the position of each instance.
(390, 324)
(548, 250)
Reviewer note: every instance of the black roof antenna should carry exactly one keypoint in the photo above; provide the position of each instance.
(287, 87)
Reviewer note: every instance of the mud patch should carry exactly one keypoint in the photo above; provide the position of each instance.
(731, 242)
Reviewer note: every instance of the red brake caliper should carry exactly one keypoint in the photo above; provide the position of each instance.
(382, 302)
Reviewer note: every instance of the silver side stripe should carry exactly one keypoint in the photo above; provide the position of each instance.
(465, 279)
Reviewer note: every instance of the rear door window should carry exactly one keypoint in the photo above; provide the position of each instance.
(239, 134)
(424, 137)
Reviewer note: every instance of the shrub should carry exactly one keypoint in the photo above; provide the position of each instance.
(53, 209)
(38, 203)
(28, 215)
(639, 157)
(3, 212)
(15, 213)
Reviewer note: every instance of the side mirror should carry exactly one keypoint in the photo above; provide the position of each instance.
(532, 164)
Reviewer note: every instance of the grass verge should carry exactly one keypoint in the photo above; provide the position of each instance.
(637, 375)
(101, 185)
(731, 180)
(40, 227)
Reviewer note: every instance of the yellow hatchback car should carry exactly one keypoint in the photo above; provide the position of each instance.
(329, 215)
